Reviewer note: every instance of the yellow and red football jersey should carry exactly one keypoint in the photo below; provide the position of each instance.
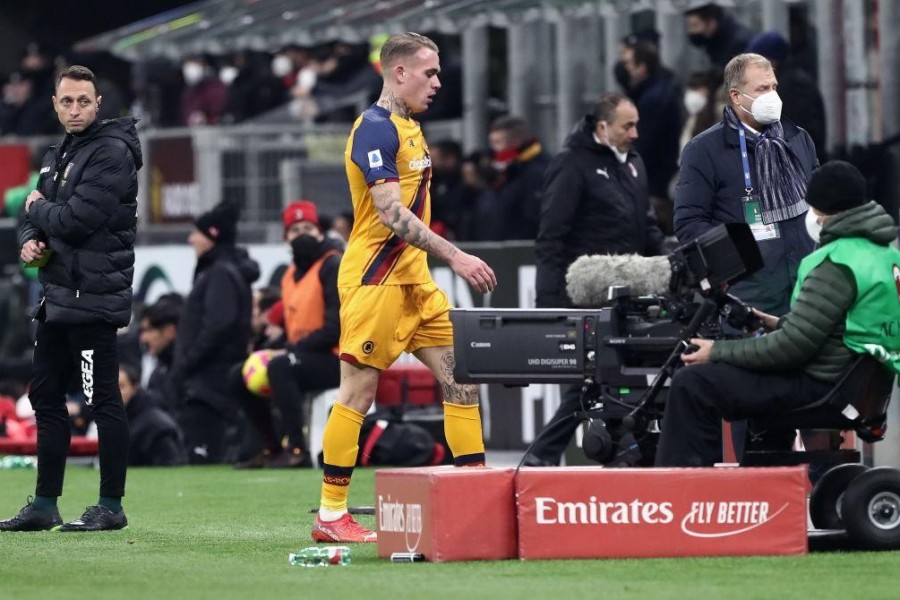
(385, 147)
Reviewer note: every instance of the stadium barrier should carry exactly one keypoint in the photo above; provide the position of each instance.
(445, 513)
(630, 513)
(450, 514)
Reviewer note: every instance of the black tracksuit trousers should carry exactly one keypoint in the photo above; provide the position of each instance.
(87, 353)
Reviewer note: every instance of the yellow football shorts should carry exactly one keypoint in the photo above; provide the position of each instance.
(379, 322)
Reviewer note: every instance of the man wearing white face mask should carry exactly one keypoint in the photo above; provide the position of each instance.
(204, 96)
(751, 167)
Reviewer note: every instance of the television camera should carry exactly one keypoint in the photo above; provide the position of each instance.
(623, 353)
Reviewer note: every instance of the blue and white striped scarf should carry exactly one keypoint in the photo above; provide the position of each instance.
(780, 178)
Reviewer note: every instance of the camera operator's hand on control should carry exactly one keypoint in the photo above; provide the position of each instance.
(770, 322)
(700, 355)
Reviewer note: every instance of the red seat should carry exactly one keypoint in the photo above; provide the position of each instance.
(410, 385)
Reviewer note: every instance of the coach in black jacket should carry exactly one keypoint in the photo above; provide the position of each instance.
(213, 333)
(596, 201)
(80, 226)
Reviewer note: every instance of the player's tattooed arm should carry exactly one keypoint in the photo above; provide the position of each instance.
(407, 226)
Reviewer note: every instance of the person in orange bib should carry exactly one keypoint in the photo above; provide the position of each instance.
(309, 360)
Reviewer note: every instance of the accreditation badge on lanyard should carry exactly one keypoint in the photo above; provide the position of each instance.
(750, 201)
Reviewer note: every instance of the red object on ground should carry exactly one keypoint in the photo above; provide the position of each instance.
(80, 446)
(625, 513)
(414, 385)
(446, 513)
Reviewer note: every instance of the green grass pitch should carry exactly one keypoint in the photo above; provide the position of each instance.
(216, 533)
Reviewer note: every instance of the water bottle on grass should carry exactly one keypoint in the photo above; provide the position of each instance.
(321, 556)
(18, 462)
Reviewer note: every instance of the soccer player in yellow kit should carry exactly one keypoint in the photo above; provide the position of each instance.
(389, 302)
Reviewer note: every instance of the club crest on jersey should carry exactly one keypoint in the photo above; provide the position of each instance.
(66, 175)
(375, 159)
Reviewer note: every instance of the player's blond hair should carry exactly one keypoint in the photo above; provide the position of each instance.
(403, 45)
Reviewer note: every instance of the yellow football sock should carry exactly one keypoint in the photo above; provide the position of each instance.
(340, 444)
(462, 427)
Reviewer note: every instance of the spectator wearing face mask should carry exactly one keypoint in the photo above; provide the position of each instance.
(309, 362)
(204, 97)
(519, 162)
(702, 105)
(719, 34)
(252, 88)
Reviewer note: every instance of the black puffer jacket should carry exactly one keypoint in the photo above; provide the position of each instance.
(593, 204)
(89, 220)
(214, 330)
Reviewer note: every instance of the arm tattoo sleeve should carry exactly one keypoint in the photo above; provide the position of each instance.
(406, 225)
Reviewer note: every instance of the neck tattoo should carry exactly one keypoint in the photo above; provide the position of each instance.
(393, 104)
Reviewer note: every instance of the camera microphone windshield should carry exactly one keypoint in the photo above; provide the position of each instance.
(590, 277)
(724, 254)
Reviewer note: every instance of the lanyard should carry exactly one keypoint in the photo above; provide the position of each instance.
(745, 163)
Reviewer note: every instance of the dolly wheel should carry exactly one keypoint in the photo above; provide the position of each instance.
(871, 509)
(827, 495)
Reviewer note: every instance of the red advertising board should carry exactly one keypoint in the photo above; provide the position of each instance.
(446, 513)
(621, 513)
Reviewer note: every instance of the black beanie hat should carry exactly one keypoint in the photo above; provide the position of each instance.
(836, 186)
(220, 223)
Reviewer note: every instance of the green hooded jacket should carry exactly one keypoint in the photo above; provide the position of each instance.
(811, 335)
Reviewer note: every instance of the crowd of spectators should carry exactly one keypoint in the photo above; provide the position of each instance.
(493, 194)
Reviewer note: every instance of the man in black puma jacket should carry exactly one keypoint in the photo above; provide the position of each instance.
(596, 201)
(79, 228)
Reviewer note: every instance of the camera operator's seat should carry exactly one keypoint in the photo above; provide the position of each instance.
(858, 402)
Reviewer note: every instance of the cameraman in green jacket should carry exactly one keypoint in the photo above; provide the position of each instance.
(846, 302)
